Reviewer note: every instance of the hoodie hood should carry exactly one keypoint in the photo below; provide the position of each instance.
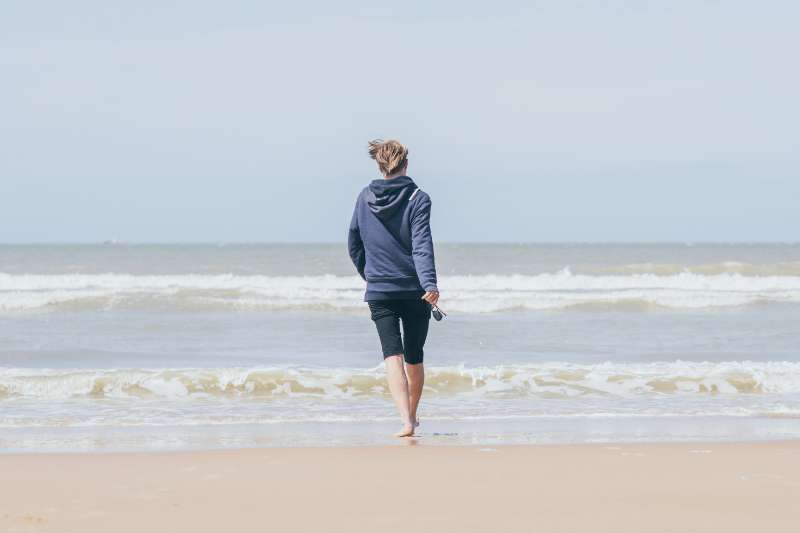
(387, 197)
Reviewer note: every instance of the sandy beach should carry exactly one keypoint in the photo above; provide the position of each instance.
(726, 487)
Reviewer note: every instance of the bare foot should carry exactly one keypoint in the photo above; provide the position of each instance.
(407, 431)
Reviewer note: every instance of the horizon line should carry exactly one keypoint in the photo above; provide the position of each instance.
(115, 242)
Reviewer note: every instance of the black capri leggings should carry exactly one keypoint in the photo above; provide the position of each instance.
(414, 314)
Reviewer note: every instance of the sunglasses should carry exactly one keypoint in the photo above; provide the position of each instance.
(437, 313)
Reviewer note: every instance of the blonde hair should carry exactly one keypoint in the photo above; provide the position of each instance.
(390, 155)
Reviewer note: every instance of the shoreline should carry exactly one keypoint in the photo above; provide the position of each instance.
(397, 442)
(657, 487)
(534, 431)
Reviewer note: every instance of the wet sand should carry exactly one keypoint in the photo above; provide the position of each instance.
(725, 487)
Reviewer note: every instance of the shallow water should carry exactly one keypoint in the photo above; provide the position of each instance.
(110, 347)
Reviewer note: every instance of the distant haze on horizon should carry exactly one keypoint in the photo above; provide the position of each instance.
(526, 121)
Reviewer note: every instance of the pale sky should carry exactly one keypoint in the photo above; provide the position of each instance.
(154, 121)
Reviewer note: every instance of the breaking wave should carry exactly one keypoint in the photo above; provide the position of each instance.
(468, 294)
(546, 381)
(785, 268)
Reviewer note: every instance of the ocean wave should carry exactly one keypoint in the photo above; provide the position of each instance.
(546, 381)
(469, 294)
(786, 268)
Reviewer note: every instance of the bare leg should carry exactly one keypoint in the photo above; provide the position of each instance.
(416, 379)
(398, 386)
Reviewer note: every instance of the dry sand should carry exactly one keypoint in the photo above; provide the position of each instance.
(583, 488)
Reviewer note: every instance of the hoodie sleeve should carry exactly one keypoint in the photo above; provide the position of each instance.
(355, 246)
(422, 244)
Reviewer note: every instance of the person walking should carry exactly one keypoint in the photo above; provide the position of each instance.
(390, 244)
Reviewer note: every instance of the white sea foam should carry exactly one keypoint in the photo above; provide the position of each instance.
(547, 381)
(484, 293)
(784, 268)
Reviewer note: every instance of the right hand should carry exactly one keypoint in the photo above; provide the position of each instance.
(432, 297)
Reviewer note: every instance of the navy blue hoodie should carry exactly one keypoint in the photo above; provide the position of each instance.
(390, 239)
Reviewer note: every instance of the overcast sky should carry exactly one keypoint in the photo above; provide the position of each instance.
(527, 121)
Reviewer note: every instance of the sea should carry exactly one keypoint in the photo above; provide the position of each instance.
(139, 347)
